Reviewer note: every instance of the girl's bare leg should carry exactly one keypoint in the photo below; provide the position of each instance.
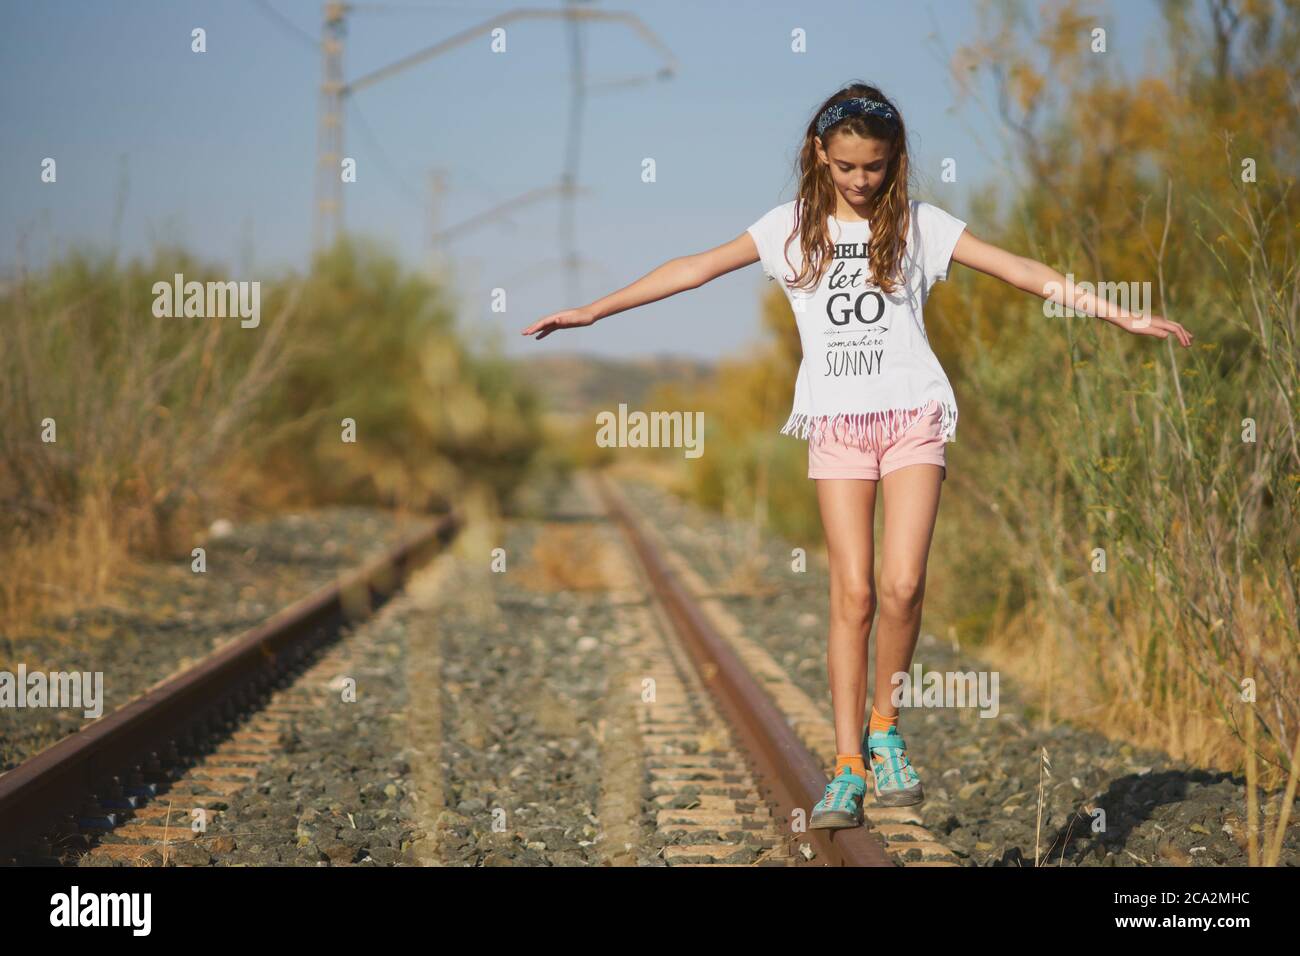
(848, 510)
(911, 500)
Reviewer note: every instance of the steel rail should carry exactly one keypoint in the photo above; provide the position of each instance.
(786, 773)
(49, 788)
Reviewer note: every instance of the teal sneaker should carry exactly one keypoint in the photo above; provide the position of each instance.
(841, 806)
(897, 782)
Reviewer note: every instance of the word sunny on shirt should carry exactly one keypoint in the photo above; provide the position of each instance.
(868, 372)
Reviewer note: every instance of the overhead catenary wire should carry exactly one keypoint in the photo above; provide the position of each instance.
(403, 183)
(369, 8)
(336, 91)
(284, 23)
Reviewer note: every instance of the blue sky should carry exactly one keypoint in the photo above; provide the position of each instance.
(217, 150)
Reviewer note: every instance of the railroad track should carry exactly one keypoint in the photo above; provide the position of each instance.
(771, 723)
(198, 735)
(723, 755)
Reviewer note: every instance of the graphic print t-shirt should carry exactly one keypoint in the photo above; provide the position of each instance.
(868, 371)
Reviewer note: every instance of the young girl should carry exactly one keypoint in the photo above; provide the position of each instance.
(856, 259)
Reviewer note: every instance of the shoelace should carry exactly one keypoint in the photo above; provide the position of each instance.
(904, 772)
(838, 795)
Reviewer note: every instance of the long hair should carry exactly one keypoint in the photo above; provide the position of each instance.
(889, 204)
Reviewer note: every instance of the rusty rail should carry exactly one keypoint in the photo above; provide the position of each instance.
(49, 788)
(786, 773)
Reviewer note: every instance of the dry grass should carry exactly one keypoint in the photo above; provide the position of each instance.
(570, 558)
(64, 564)
(125, 432)
(121, 423)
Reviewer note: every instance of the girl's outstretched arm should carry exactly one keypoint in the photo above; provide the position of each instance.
(675, 275)
(1045, 282)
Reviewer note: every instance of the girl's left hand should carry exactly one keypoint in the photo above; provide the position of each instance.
(1155, 325)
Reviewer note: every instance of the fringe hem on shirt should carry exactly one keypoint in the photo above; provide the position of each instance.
(867, 429)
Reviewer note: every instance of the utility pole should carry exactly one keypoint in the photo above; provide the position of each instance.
(573, 150)
(437, 187)
(329, 136)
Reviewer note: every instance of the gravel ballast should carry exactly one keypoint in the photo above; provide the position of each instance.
(982, 774)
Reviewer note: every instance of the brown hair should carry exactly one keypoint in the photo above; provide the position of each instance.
(816, 200)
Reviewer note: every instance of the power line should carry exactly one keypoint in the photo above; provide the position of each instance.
(285, 23)
(335, 92)
(384, 159)
(422, 8)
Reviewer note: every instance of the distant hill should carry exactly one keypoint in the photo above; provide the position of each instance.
(575, 383)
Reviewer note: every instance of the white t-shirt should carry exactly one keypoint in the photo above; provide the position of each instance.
(868, 372)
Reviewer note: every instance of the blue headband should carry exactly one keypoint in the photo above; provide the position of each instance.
(857, 106)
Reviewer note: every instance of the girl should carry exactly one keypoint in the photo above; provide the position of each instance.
(857, 259)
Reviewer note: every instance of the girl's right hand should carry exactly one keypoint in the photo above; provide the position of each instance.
(568, 319)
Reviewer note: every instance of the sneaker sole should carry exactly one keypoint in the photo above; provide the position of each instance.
(834, 820)
(901, 798)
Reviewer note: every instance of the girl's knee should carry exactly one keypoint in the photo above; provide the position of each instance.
(854, 602)
(902, 593)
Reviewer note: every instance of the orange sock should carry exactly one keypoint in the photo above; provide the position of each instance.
(880, 724)
(855, 763)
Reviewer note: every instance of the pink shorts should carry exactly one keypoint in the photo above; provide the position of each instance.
(922, 443)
